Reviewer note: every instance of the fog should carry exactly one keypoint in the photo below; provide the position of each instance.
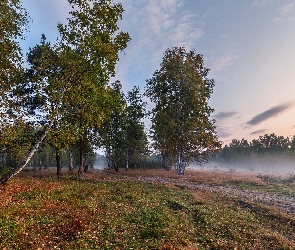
(277, 165)
(100, 162)
(262, 165)
(99, 166)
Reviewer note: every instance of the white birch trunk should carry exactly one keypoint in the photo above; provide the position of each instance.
(71, 167)
(6, 178)
(127, 160)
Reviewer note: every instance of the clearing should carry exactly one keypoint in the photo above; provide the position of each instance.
(148, 209)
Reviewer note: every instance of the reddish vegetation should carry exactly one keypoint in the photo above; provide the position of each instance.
(200, 210)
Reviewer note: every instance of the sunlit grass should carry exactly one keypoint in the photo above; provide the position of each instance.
(117, 214)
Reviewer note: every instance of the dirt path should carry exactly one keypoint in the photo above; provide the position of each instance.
(282, 202)
(285, 203)
(201, 180)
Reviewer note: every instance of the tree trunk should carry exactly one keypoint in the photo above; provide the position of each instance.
(83, 143)
(58, 163)
(85, 162)
(71, 167)
(164, 162)
(180, 165)
(127, 160)
(7, 177)
(81, 165)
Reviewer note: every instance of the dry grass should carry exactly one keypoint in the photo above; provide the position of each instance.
(109, 210)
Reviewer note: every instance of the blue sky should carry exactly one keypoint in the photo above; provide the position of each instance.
(249, 45)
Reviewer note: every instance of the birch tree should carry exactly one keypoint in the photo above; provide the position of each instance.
(181, 124)
(72, 76)
(90, 45)
(13, 25)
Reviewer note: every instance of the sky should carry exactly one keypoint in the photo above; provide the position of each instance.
(249, 45)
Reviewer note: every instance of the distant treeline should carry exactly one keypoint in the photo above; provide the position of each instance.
(267, 151)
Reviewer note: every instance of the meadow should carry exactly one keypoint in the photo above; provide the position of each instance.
(147, 209)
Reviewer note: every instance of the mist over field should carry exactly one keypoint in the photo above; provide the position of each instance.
(279, 165)
(263, 165)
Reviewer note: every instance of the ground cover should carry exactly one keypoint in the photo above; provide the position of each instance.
(143, 210)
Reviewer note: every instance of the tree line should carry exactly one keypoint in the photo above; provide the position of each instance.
(266, 151)
(64, 102)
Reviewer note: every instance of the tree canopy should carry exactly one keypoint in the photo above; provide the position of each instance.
(123, 135)
(89, 48)
(13, 23)
(181, 124)
(65, 94)
(67, 83)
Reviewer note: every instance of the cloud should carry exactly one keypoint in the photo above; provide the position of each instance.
(270, 113)
(225, 115)
(277, 20)
(286, 8)
(154, 26)
(259, 132)
(260, 3)
(223, 132)
(222, 63)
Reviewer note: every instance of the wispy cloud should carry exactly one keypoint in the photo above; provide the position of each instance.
(222, 63)
(286, 8)
(155, 26)
(259, 3)
(270, 113)
(225, 115)
(223, 132)
(286, 13)
(277, 20)
(259, 132)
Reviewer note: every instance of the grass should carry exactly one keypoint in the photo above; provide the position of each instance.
(269, 184)
(118, 214)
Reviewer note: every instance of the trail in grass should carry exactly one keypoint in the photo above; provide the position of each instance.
(283, 202)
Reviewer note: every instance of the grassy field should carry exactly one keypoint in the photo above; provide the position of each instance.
(120, 211)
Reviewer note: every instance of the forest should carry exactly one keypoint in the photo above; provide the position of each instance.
(59, 103)
(269, 152)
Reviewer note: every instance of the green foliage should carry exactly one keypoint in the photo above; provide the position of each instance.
(136, 142)
(123, 135)
(112, 131)
(71, 77)
(13, 24)
(180, 90)
(67, 83)
(88, 49)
